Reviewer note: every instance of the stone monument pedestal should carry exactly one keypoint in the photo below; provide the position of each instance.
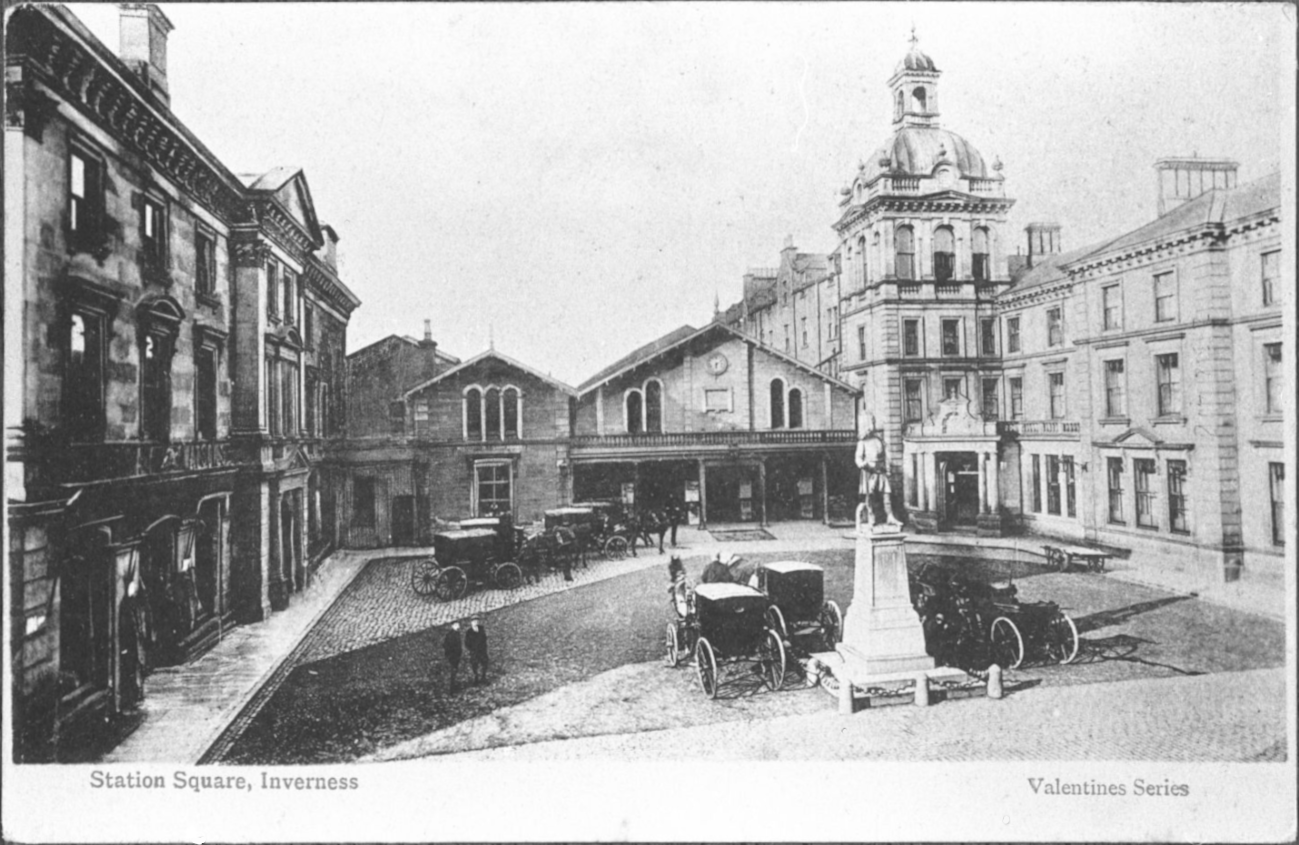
(881, 632)
(883, 640)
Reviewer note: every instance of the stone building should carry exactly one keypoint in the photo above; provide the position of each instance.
(794, 307)
(1149, 389)
(163, 321)
(472, 438)
(712, 417)
(920, 231)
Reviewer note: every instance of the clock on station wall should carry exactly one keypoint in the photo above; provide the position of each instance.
(717, 363)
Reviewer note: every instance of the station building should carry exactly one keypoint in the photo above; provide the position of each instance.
(174, 340)
(715, 419)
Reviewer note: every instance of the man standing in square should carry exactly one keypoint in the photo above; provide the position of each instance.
(476, 644)
(453, 649)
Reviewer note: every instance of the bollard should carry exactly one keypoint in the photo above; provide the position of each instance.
(845, 696)
(922, 690)
(994, 682)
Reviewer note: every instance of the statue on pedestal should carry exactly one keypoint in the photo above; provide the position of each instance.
(874, 479)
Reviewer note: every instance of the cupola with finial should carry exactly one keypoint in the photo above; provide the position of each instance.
(914, 85)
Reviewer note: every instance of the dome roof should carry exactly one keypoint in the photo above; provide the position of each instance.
(917, 150)
(915, 59)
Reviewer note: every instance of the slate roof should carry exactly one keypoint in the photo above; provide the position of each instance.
(639, 355)
(271, 180)
(1216, 207)
(684, 333)
(482, 356)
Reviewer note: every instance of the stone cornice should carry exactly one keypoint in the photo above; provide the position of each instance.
(1203, 236)
(87, 81)
(947, 201)
(329, 287)
(277, 225)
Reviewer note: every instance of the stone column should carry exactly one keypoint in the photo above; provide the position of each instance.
(703, 494)
(994, 484)
(981, 463)
(248, 349)
(762, 482)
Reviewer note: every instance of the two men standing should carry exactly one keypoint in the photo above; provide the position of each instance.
(454, 647)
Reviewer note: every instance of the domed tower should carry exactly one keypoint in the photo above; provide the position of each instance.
(921, 238)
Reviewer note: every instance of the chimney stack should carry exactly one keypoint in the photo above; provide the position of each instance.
(142, 32)
(428, 342)
(1183, 179)
(1043, 239)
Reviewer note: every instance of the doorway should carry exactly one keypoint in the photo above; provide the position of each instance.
(961, 486)
(403, 520)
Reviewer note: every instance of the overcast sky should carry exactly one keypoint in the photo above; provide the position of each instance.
(585, 177)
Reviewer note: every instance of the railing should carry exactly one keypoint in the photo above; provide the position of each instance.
(79, 463)
(948, 291)
(910, 292)
(1038, 427)
(905, 184)
(984, 186)
(714, 438)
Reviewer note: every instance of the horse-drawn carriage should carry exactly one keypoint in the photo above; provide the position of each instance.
(799, 610)
(971, 624)
(481, 555)
(724, 624)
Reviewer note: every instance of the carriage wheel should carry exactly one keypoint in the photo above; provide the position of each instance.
(773, 661)
(508, 576)
(615, 548)
(1062, 639)
(706, 667)
(831, 625)
(451, 583)
(1007, 644)
(424, 576)
(673, 646)
(776, 622)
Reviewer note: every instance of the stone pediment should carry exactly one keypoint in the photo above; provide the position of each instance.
(956, 418)
(291, 197)
(1137, 438)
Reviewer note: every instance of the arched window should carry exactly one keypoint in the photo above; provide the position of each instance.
(981, 264)
(897, 106)
(918, 99)
(906, 253)
(473, 414)
(653, 407)
(777, 403)
(795, 408)
(510, 400)
(861, 257)
(633, 410)
(492, 413)
(944, 254)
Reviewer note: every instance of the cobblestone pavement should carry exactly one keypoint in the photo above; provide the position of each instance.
(1187, 719)
(381, 604)
(377, 679)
